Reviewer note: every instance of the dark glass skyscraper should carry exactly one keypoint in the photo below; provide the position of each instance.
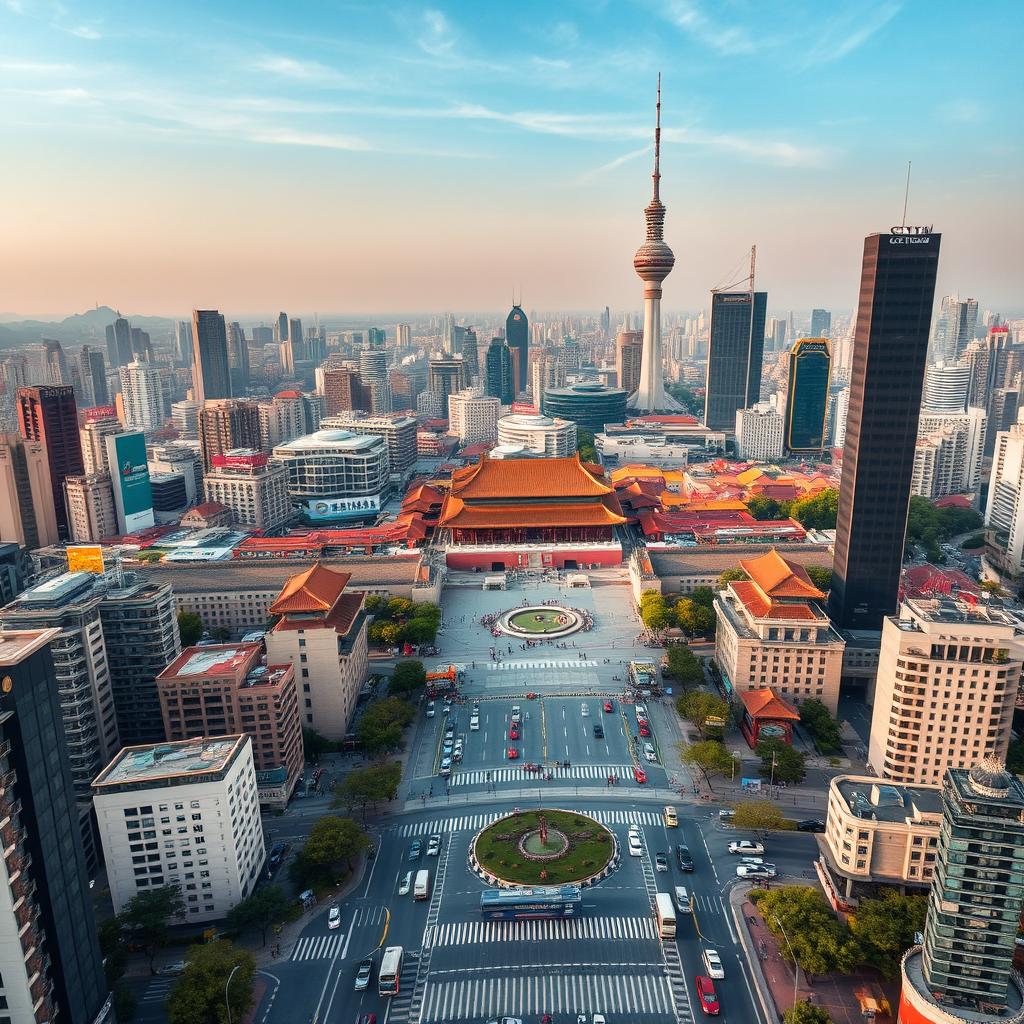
(211, 375)
(897, 288)
(499, 375)
(821, 323)
(810, 364)
(517, 334)
(734, 356)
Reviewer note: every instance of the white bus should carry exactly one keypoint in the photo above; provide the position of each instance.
(666, 915)
(390, 972)
(421, 888)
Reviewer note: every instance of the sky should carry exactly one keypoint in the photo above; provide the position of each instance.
(346, 157)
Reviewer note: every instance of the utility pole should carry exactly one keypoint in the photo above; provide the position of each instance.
(796, 966)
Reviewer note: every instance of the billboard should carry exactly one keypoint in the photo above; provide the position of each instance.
(325, 509)
(133, 495)
(85, 558)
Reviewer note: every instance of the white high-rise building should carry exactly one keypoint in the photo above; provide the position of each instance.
(282, 419)
(960, 470)
(842, 401)
(473, 416)
(946, 387)
(142, 392)
(93, 436)
(538, 435)
(1004, 512)
(760, 433)
(403, 336)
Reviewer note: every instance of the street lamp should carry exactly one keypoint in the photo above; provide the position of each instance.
(796, 966)
(227, 984)
(735, 757)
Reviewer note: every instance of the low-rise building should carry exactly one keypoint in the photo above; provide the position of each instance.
(184, 813)
(538, 435)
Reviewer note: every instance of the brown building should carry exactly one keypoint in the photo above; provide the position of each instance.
(47, 413)
(227, 424)
(628, 347)
(225, 689)
(27, 511)
(343, 390)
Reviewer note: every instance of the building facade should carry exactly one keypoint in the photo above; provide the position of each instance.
(1004, 510)
(397, 429)
(253, 487)
(473, 416)
(517, 337)
(735, 351)
(588, 404)
(28, 513)
(142, 395)
(629, 347)
(499, 374)
(760, 433)
(99, 424)
(90, 504)
(211, 373)
(538, 435)
(226, 425)
(810, 369)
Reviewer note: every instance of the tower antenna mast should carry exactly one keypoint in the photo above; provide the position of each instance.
(906, 195)
(753, 264)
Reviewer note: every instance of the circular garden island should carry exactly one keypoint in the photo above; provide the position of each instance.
(544, 847)
(542, 621)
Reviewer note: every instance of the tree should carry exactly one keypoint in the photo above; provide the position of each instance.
(145, 920)
(704, 710)
(823, 727)
(655, 611)
(684, 666)
(329, 850)
(806, 1012)
(391, 633)
(409, 676)
(762, 508)
(760, 816)
(930, 526)
(198, 997)
(370, 785)
(817, 511)
(379, 729)
(703, 596)
(780, 762)
(585, 445)
(709, 756)
(696, 619)
(1015, 757)
(190, 626)
(125, 1003)
(736, 575)
(315, 745)
(991, 587)
(265, 907)
(885, 927)
(821, 577)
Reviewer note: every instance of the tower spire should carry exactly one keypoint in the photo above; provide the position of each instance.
(657, 144)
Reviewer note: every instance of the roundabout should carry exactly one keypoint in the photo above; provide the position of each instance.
(543, 847)
(542, 621)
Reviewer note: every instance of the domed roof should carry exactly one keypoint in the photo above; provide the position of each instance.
(654, 260)
(288, 394)
(990, 778)
(333, 435)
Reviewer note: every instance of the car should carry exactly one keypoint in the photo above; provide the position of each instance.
(366, 1018)
(670, 816)
(274, 858)
(363, 975)
(609, 706)
(641, 711)
(584, 710)
(598, 731)
(449, 734)
(597, 1018)
(406, 884)
(415, 848)
(430, 709)
(635, 846)
(172, 969)
(661, 861)
(751, 860)
(725, 815)
(650, 754)
(683, 903)
(513, 733)
(512, 753)
(644, 729)
(756, 871)
(334, 917)
(434, 845)
(505, 1020)
(457, 754)
(634, 829)
(446, 766)
(642, 719)
(516, 714)
(639, 774)
(447, 706)
(747, 847)
(447, 750)
(810, 825)
(706, 994)
(684, 858)
(474, 723)
(713, 963)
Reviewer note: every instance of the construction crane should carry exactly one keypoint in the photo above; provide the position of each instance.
(747, 279)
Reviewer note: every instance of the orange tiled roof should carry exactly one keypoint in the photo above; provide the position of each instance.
(778, 577)
(459, 515)
(528, 478)
(340, 618)
(766, 703)
(315, 590)
(753, 600)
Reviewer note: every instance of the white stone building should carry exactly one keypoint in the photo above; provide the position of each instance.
(760, 433)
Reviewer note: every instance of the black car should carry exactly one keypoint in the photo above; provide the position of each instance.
(810, 825)
(598, 731)
(684, 858)
(274, 858)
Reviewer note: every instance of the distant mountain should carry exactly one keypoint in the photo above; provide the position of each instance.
(80, 328)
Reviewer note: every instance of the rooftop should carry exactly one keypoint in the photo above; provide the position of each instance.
(337, 439)
(766, 703)
(153, 763)
(876, 800)
(954, 612)
(213, 660)
(17, 644)
(516, 479)
(315, 590)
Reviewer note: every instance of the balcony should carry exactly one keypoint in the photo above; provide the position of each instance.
(18, 860)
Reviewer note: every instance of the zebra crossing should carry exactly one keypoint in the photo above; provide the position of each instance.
(461, 933)
(708, 904)
(475, 822)
(483, 998)
(581, 771)
(519, 666)
(317, 947)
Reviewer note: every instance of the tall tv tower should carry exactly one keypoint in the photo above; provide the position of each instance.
(653, 262)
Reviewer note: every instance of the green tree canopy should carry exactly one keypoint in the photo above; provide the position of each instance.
(198, 996)
(703, 596)
(1015, 757)
(409, 676)
(371, 785)
(760, 816)
(265, 907)
(763, 508)
(190, 626)
(709, 757)
(885, 927)
(815, 717)
(145, 920)
(817, 511)
(684, 666)
(315, 745)
(806, 1012)
(695, 619)
(686, 396)
(655, 610)
(790, 765)
(703, 710)
(821, 577)
(732, 576)
(930, 527)
(380, 727)
(585, 445)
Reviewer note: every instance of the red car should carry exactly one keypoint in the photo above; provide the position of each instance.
(512, 753)
(513, 733)
(645, 729)
(608, 706)
(706, 994)
(639, 774)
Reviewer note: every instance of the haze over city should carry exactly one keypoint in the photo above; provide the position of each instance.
(359, 158)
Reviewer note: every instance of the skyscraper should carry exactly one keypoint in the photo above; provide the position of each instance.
(946, 387)
(122, 343)
(373, 372)
(498, 373)
(296, 340)
(211, 376)
(27, 508)
(49, 414)
(775, 334)
(653, 262)
(183, 343)
(821, 323)
(142, 396)
(238, 359)
(281, 328)
(890, 347)
(403, 336)
(734, 356)
(517, 337)
(93, 374)
(629, 347)
(810, 365)
(226, 424)
(446, 375)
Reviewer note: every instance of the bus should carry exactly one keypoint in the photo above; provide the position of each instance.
(390, 973)
(666, 915)
(530, 904)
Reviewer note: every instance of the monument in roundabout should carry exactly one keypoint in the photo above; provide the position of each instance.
(543, 847)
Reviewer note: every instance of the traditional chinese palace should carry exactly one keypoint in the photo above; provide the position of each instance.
(531, 514)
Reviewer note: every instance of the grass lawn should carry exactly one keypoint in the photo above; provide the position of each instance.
(528, 622)
(584, 858)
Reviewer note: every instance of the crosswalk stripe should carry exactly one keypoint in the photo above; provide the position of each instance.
(481, 932)
(474, 822)
(317, 947)
(476, 777)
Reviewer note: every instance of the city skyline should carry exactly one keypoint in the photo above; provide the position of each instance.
(520, 147)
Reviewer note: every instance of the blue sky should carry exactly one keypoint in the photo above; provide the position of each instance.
(351, 157)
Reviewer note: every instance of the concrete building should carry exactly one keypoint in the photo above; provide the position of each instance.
(100, 423)
(228, 424)
(473, 416)
(184, 459)
(211, 375)
(1004, 511)
(282, 419)
(760, 433)
(629, 347)
(966, 433)
(948, 677)
(253, 487)
(946, 387)
(445, 376)
(342, 389)
(322, 633)
(538, 435)
(773, 632)
(227, 688)
(28, 515)
(50, 961)
(397, 429)
(185, 416)
(142, 395)
(878, 833)
(547, 372)
(183, 813)
(90, 504)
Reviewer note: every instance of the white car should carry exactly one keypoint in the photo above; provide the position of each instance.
(446, 766)
(430, 710)
(756, 871)
(474, 723)
(334, 917)
(649, 753)
(713, 964)
(683, 900)
(584, 710)
(434, 846)
(405, 885)
(635, 847)
(516, 714)
(747, 847)
(641, 711)
(751, 860)
(597, 1018)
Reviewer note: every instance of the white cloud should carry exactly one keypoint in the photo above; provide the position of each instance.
(963, 111)
(84, 32)
(611, 165)
(687, 15)
(308, 71)
(437, 37)
(846, 32)
(318, 140)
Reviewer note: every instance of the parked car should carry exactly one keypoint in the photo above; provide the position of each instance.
(661, 861)
(363, 975)
(446, 766)
(650, 754)
(406, 884)
(430, 709)
(756, 871)
(706, 994)
(810, 825)
(173, 969)
(747, 847)
(644, 729)
(434, 846)
(684, 858)
(474, 723)
(641, 711)
(713, 963)
(334, 917)
(725, 815)
(751, 860)
(598, 731)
